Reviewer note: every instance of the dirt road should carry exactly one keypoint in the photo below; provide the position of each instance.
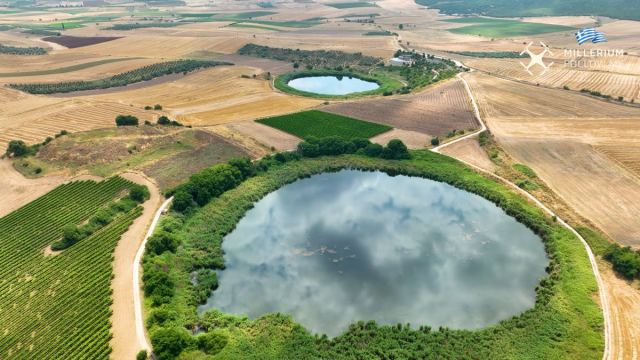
(125, 342)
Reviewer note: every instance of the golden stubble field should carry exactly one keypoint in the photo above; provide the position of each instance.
(559, 134)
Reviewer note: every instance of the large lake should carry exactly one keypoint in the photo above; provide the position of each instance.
(341, 247)
(332, 85)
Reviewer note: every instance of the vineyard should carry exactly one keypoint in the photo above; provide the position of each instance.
(130, 77)
(57, 306)
(12, 50)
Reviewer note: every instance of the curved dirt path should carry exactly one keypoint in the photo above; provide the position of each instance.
(125, 343)
(602, 288)
(139, 337)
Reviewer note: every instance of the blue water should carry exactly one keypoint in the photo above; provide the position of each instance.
(332, 85)
(341, 247)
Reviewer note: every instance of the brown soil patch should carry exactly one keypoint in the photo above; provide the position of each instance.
(124, 342)
(624, 305)
(413, 139)
(470, 151)
(262, 134)
(18, 191)
(72, 42)
(435, 111)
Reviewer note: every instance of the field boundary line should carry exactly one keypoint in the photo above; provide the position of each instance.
(592, 259)
(137, 302)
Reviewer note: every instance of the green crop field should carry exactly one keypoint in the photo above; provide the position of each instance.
(348, 5)
(58, 306)
(314, 123)
(620, 9)
(499, 28)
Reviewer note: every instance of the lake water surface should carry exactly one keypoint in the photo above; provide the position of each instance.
(332, 85)
(341, 247)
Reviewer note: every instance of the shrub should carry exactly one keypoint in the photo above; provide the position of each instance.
(396, 150)
(157, 107)
(148, 107)
(244, 165)
(17, 148)
(625, 261)
(206, 184)
(373, 150)
(126, 120)
(162, 241)
(142, 355)
(161, 315)
(169, 343)
(139, 193)
(435, 141)
(163, 120)
(158, 285)
(212, 342)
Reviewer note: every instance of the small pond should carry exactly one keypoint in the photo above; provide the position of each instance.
(341, 247)
(332, 85)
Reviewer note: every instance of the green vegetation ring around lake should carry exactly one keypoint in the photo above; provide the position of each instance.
(386, 84)
(565, 322)
(319, 124)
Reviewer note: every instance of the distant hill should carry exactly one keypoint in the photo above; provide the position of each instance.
(619, 9)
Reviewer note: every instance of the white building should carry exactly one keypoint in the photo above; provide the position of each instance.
(402, 60)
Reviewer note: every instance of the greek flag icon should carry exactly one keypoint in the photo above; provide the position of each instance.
(590, 34)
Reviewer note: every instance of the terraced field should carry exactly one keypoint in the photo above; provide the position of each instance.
(57, 306)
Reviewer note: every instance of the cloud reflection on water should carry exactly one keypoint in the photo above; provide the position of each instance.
(341, 247)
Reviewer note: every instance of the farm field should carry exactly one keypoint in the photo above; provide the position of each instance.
(318, 124)
(557, 133)
(501, 28)
(613, 77)
(435, 111)
(69, 291)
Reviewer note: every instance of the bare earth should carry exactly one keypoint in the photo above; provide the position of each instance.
(470, 151)
(18, 191)
(258, 133)
(435, 111)
(124, 342)
(555, 132)
(413, 139)
(624, 300)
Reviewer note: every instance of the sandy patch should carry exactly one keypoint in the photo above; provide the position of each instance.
(413, 139)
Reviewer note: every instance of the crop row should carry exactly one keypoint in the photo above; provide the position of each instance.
(58, 306)
(130, 77)
(13, 50)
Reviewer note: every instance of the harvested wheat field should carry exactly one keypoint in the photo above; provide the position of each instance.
(257, 138)
(614, 77)
(215, 96)
(33, 118)
(435, 111)
(556, 133)
(470, 151)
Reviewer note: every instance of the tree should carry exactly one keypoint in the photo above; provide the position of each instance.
(435, 141)
(17, 148)
(139, 193)
(163, 120)
(162, 241)
(245, 166)
(396, 150)
(373, 150)
(126, 120)
(182, 200)
(169, 343)
(142, 355)
(157, 107)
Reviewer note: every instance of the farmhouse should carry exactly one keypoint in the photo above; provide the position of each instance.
(401, 60)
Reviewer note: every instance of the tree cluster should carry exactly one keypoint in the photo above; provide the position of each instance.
(127, 120)
(395, 149)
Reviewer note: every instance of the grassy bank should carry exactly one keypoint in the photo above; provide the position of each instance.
(565, 322)
(386, 84)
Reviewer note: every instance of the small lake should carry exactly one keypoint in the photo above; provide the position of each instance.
(332, 85)
(337, 248)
